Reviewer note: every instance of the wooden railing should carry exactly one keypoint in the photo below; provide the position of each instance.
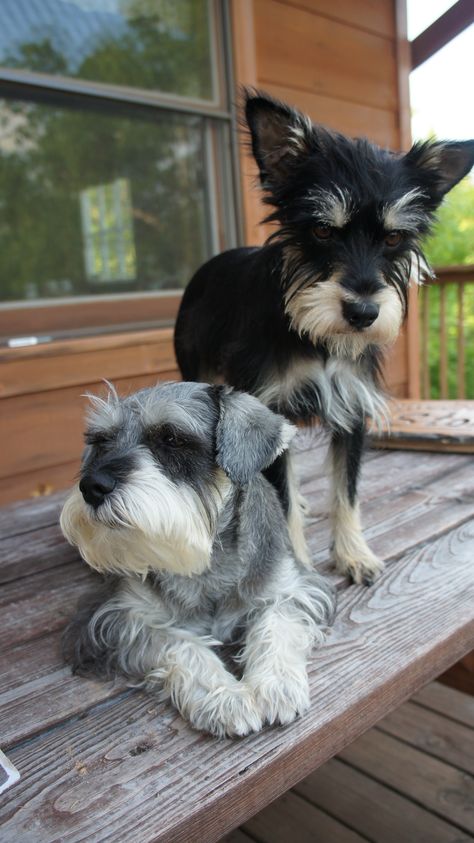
(447, 334)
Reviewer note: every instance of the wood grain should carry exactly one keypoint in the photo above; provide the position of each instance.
(120, 312)
(293, 818)
(435, 425)
(81, 361)
(370, 15)
(434, 784)
(23, 516)
(448, 702)
(302, 50)
(377, 812)
(89, 777)
(433, 734)
(39, 690)
(41, 603)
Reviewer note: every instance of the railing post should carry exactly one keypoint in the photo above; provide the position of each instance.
(443, 345)
(461, 383)
(425, 373)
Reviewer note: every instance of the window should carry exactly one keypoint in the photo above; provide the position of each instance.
(116, 166)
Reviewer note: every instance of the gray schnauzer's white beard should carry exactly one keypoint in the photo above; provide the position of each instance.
(148, 524)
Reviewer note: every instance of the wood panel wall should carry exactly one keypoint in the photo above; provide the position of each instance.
(339, 61)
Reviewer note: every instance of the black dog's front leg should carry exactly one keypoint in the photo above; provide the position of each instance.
(351, 553)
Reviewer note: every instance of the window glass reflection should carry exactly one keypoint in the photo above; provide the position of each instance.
(163, 45)
(93, 202)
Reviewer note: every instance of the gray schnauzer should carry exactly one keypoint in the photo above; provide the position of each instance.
(172, 506)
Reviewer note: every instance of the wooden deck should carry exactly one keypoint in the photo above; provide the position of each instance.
(408, 779)
(99, 762)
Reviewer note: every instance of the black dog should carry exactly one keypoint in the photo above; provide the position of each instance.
(303, 321)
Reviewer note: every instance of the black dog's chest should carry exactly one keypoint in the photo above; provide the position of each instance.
(334, 390)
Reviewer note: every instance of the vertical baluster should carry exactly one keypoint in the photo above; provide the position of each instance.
(443, 345)
(425, 380)
(461, 386)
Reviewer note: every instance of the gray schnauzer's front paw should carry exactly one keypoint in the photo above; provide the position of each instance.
(282, 699)
(226, 713)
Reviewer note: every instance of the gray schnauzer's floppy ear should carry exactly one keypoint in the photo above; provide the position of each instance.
(249, 436)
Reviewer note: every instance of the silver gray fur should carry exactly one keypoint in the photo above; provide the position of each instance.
(200, 449)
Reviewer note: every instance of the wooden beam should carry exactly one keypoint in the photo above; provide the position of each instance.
(443, 30)
(245, 74)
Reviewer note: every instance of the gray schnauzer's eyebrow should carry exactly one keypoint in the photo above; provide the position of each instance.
(189, 416)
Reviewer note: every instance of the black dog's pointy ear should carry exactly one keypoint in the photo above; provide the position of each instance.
(280, 135)
(441, 164)
(249, 436)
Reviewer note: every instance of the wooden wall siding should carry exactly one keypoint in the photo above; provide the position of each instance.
(42, 403)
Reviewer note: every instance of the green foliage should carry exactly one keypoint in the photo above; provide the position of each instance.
(452, 241)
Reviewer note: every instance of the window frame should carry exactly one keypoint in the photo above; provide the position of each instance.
(50, 319)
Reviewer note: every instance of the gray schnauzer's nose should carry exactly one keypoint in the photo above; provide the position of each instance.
(360, 314)
(95, 487)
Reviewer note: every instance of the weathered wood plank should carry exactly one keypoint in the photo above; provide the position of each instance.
(433, 734)
(373, 810)
(31, 514)
(292, 818)
(134, 770)
(33, 552)
(41, 603)
(439, 425)
(447, 701)
(430, 782)
(38, 690)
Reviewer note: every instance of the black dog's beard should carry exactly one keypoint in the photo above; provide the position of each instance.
(315, 310)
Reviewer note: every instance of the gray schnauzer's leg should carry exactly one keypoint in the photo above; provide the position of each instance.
(351, 552)
(278, 643)
(133, 633)
(196, 681)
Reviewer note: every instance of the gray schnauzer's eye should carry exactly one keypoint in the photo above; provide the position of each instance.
(166, 435)
(98, 437)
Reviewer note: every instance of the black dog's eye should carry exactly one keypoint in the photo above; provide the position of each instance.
(323, 232)
(393, 238)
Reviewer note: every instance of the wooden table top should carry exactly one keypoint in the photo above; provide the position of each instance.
(101, 762)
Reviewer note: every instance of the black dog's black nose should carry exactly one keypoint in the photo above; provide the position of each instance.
(95, 487)
(360, 314)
